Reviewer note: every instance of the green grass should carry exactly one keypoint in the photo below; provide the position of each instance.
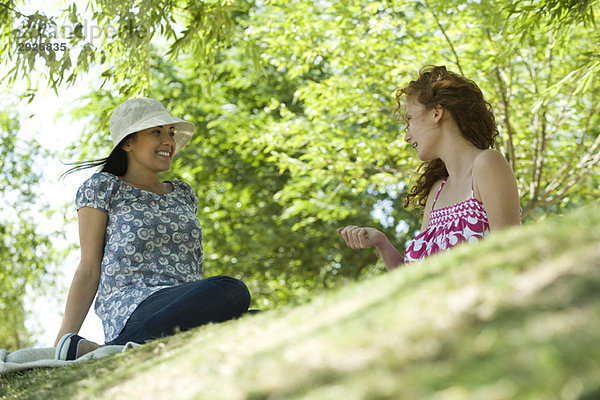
(514, 317)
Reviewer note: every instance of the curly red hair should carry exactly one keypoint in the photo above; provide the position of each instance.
(437, 86)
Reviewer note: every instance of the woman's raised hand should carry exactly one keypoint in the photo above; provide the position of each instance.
(357, 237)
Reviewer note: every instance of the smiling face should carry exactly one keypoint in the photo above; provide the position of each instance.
(151, 148)
(422, 129)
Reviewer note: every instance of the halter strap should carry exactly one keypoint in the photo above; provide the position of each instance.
(438, 193)
(444, 182)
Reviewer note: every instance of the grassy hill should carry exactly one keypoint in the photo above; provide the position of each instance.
(515, 317)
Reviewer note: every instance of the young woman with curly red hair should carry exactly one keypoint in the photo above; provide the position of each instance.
(467, 188)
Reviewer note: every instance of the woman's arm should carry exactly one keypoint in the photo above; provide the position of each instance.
(361, 238)
(496, 186)
(92, 227)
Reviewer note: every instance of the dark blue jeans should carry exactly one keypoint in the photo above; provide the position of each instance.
(182, 307)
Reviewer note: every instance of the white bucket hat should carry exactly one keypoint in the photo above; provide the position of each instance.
(142, 113)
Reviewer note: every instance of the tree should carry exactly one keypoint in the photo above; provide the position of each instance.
(123, 32)
(519, 35)
(24, 251)
(295, 116)
(565, 87)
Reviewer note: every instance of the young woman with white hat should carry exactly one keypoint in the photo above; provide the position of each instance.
(141, 243)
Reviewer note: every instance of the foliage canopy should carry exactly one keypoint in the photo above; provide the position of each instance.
(294, 111)
(24, 250)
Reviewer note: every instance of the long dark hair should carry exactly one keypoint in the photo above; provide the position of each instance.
(115, 163)
(464, 100)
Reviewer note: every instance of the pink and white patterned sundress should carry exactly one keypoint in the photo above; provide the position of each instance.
(465, 221)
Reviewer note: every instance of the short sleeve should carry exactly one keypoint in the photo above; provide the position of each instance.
(95, 192)
(190, 196)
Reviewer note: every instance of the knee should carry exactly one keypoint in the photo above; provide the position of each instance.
(237, 290)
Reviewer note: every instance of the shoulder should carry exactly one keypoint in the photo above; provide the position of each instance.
(490, 159)
(187, 191)
(96, 191)
(100, 179)
(492, 174)
(495, 185)
(490, 167)
(184, 186)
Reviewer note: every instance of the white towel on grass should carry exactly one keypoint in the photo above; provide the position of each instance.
(44, 357)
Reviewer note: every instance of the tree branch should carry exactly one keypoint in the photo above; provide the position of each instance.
(437, 21)
(5, 5)
(506, 117)
(563, 174)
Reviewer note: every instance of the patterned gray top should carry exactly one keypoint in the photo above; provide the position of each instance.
(152, 241)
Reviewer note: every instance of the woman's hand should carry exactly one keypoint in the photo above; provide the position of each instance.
(357, 237)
